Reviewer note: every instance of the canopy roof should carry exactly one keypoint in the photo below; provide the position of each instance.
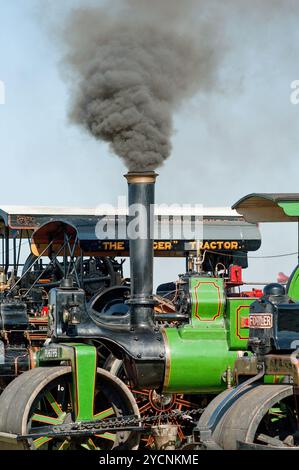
(219, 233)
(32, 217)
(269, 207)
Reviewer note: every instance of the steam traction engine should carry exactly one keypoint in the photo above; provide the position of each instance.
(69, 402)
(257, 413)
(26, 278)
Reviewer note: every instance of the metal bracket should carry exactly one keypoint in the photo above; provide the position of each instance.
(83, 361)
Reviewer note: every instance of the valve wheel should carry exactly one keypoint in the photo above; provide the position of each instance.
(41, 398)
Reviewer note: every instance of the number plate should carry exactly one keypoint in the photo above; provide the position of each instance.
(51, 353)
(261, 321)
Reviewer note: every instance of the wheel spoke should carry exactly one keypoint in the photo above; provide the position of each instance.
(144, 408)
(149, 441)
(65, 445)
(56, 407)
(275, 442)
(143, 392)
(41, 441)
(104, 414)
(48, 419)
(180, 432)
(107, 435)
(90, 445)
(185, 403)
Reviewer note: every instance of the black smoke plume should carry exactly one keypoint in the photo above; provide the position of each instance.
(132, 66)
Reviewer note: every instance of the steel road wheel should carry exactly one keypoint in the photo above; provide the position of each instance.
(42, 398)
(265, 415)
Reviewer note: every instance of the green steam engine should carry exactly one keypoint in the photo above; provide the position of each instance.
(195, 351)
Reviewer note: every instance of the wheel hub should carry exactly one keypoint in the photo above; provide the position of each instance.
(161, 402)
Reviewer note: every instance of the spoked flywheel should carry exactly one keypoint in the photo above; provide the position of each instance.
(153, 404)
(40, 400)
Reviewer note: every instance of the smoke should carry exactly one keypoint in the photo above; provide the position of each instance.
(131, 68)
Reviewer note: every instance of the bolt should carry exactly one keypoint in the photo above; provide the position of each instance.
(162, 355)
(139, 355)
(132, 329)
(136, 338)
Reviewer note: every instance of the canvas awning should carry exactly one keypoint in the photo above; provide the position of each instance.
(269, 207)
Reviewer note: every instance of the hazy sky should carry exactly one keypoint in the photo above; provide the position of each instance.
(240, 138)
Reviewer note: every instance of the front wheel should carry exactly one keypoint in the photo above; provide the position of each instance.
(41, 398)
(265, 416)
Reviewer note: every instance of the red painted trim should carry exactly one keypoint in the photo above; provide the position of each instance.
(219, 300)
(237, 319)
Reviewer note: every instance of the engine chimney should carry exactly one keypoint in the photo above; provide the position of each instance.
(141, 186)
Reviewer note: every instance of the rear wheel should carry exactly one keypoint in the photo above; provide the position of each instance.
(41, 398)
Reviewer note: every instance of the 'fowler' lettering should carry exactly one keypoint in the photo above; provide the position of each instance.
(261, 321)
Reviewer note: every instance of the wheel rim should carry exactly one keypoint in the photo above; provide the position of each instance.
(53, 406)
(279, 425)
(263, 416)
